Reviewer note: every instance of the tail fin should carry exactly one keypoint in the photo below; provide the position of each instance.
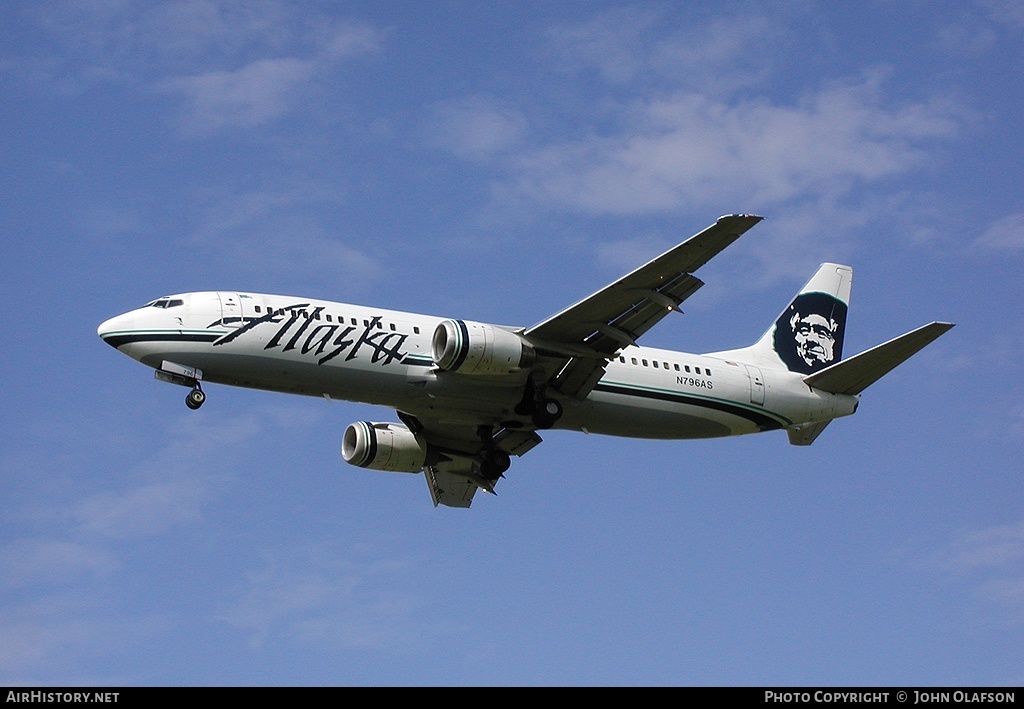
(808, 335)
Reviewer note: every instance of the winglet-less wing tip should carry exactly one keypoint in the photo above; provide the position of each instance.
(753, 218)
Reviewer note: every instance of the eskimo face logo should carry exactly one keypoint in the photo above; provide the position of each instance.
(809, 335)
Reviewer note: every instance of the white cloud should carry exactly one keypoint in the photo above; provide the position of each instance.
(1004, 13)
(105, 223)
(50, 639)
(234, 64)
(477, 127)
(323, 594)
(62, 579)
(266, 88)
(992, 560)
(51, 560)
(687, 150)
(1005, 233)
(662, 118)
(640, 46)
(166, 491)
(135, 39)
(611, 43)
(1000, 547)
(250, 96)
(1005, 592)
(142, 510)
(278, 229)
(966, 36)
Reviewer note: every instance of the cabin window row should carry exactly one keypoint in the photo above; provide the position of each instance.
(329, 318)
(665, 365)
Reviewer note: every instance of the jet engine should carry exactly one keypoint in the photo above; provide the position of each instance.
(383, 446)
(475, 348)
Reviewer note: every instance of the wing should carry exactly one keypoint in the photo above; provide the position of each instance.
(466, 456)
(583, 337)
(575, 346)
(450, 485)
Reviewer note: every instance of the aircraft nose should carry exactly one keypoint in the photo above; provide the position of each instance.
(115, 330)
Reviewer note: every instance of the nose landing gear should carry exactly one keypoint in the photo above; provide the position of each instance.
(186, 377)
(195, 398)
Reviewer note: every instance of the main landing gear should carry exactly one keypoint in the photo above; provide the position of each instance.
(195, 398)
(543, 411)
(493, 461)
(546, 413)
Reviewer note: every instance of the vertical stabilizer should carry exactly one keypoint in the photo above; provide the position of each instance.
(808, 335)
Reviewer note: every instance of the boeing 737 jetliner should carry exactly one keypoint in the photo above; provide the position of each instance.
(471, 395)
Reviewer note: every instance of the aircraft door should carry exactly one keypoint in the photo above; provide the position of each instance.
(230, 309)
(756, 384)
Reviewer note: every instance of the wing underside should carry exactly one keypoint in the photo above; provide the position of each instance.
(448, 486)
(466, 457)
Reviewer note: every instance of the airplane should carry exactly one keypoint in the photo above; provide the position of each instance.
(471, 395)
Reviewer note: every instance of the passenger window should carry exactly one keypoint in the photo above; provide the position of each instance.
(644, 361)
(655, 363)
(416, 329)
(677, 367)
(708, 372)
(634, 360)
(687, 368)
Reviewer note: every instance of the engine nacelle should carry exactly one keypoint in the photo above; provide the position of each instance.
(475, 348)
(383, 446)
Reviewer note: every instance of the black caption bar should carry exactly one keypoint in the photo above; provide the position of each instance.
(775, 696)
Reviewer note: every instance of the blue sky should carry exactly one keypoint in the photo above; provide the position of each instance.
(496, 162)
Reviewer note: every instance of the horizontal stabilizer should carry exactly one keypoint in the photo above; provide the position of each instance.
(854, 375)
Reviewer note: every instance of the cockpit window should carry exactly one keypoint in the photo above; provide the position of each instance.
(166, 303)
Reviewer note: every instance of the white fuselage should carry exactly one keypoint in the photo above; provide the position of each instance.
(377, 356)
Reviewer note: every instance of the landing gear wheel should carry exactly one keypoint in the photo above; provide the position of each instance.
(548, 411)
(195, 398)
(496, 463)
